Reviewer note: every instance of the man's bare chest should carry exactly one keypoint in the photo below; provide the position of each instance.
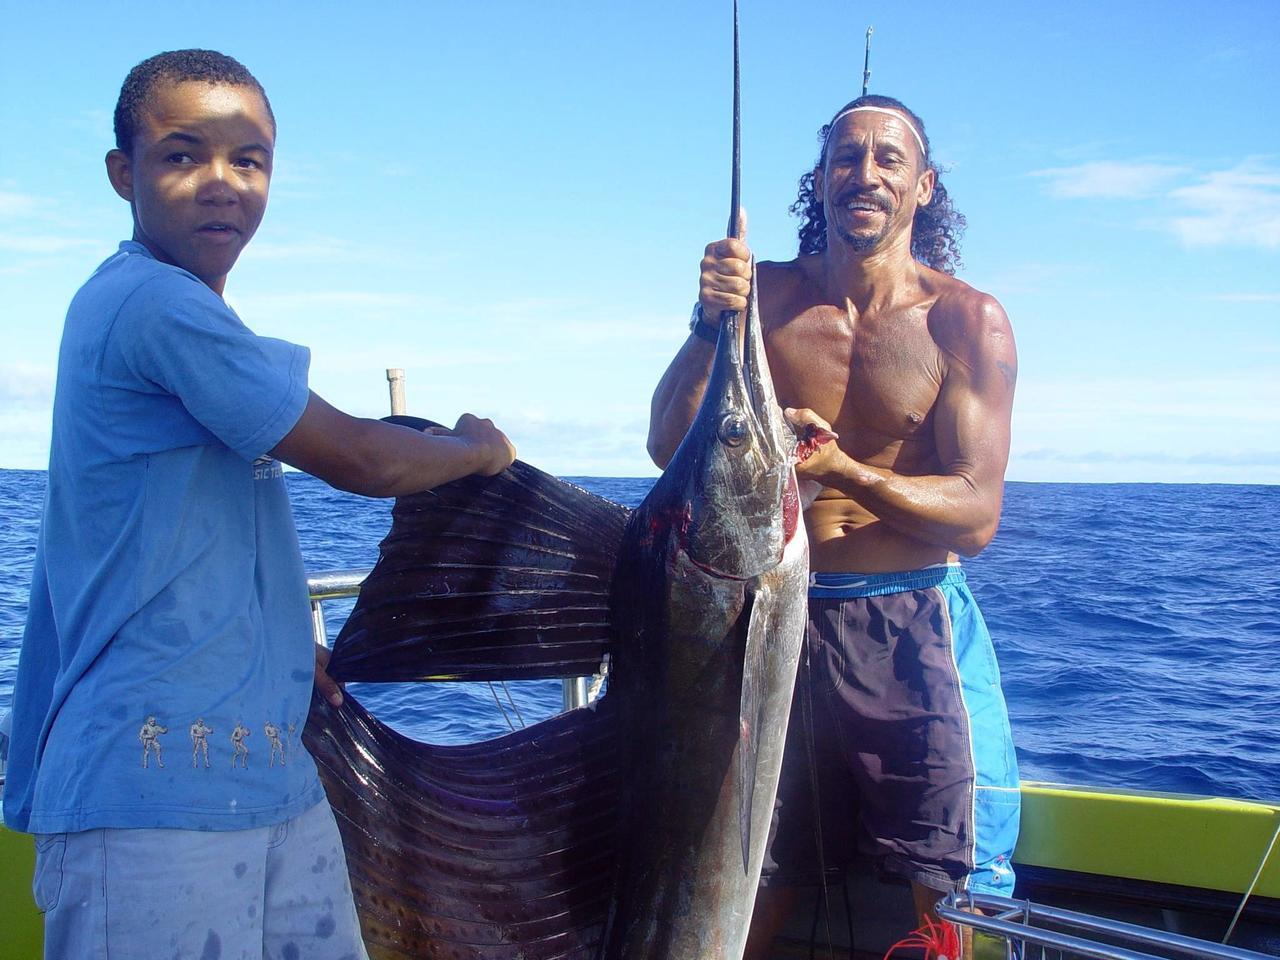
(875, 382)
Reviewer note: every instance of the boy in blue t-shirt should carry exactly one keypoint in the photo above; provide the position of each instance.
(168, 600)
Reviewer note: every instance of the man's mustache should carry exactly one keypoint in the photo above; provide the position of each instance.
(873, 199)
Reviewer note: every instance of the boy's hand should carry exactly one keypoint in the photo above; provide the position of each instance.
(325, 684)
(496, 452)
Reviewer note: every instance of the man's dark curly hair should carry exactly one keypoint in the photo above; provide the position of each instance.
(936, 229)
(176, 66)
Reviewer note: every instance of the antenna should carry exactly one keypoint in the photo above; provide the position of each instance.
(866, 62)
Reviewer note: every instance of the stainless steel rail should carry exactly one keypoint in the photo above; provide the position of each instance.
(340, 584)
(1021, 923)
(335, 584)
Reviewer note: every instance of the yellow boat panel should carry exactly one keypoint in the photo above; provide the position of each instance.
(1208, 842)
(21, 929)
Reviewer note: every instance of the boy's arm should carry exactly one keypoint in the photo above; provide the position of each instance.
(378, 459)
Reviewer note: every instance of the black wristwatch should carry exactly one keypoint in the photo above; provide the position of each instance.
(699, 327)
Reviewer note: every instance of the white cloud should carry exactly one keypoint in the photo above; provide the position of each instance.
(1236, 207)
(518, 322)
(26, 401)
(40, 227)
(26, 386)
(26, 443)
(98, 124)
(1162, 428)
(607, 447)
(311, 300)
(1225, 458)
(1245, 297)
(1147, 412)
(1110, 179)
(308, 249)
(1027, 277)
(42, 243)
(14, 205)
(1239, 206)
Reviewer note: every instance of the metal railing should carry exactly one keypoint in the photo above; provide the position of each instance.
(344, 584)
(1023, 925)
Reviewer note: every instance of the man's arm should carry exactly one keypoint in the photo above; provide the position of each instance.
(380, 459)
(960, 507)
(725, 284)
(677, 398)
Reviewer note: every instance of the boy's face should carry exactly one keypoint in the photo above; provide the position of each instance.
(197, 175)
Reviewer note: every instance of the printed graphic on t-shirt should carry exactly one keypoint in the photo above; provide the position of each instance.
(200, 742)
(241, 754)
(266, 468)
(273, 738)
(150, 737)
(282, 740)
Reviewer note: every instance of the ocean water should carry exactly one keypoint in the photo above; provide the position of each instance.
(1137, 627)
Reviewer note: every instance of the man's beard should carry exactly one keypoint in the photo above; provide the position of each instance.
(862, 242)
(859, 242)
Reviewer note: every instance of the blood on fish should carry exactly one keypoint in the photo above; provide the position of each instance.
(790, 511)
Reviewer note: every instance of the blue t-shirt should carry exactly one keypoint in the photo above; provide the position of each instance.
(167, 663)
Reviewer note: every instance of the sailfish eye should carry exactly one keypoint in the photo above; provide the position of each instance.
(733, 430)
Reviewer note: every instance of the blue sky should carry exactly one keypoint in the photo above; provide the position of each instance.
(510, 200)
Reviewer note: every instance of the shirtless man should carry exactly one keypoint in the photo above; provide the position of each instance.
(867, 332)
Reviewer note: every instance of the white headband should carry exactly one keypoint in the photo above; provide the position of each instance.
(888, 112)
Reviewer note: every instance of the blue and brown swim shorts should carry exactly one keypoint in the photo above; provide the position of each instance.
(903, 735)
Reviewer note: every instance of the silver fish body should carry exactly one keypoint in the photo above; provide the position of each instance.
(633, 829)
(710, 602)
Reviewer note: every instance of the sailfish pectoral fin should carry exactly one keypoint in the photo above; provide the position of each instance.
(754, 688)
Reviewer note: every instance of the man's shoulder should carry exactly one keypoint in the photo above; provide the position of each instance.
(963, 307)
(786, 286)
(799, 270)
(965, 321)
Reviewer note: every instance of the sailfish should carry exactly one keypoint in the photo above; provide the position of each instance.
(634, 827)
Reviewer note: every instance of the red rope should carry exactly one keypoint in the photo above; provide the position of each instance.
(937, 940)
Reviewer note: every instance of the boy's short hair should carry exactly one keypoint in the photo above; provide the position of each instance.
(176, 66)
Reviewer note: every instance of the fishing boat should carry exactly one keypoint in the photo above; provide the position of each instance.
(1151, 874)
(1118, 874)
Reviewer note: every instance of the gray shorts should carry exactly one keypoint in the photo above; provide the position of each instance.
(911, 752)
(278, 892)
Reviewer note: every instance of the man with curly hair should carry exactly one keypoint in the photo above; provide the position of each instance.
(869, 334)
